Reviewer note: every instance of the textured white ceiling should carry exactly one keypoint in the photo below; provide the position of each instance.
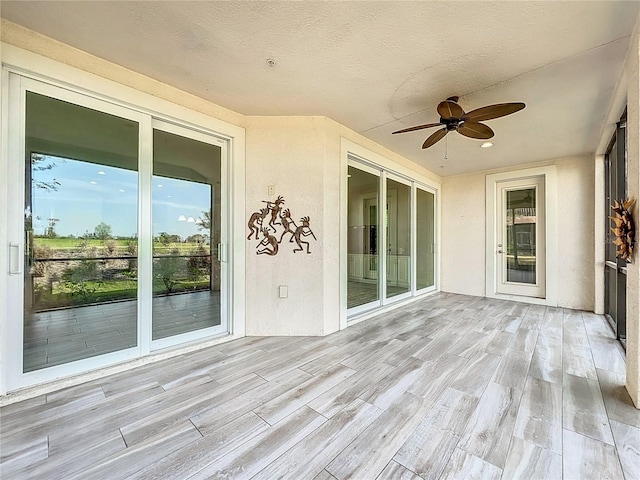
(376, 67)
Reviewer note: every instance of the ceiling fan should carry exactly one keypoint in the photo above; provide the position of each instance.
(453, 117)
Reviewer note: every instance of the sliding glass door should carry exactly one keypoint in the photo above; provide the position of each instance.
(186, 233)
(390, 244)
(397, 223)
(363, 239)
(81, 233)
(121, 217)
(425, 239)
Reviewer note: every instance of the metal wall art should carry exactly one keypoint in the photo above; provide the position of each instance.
(625, 229)
(270, 245)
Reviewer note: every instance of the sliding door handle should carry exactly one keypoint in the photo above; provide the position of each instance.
(222, 252)
(14, 259)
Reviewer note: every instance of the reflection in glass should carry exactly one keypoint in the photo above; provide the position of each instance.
(186, 230)
(398, 227)
(425, 253)
(611, 186)
(521, 235)
(81, 204)
(362, 238)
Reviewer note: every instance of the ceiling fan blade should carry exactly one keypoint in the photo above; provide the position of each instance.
(475, 130)
(417, 127)
(493, 111)
(439, 135)
(449, 110)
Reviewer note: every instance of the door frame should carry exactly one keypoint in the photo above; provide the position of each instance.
(414, 238)
(493, 190)
(392, 199)
(354, 155)
(616, 187)
(503, 286)
(19, 63)
(195, 335)
(13, 335)
(374, 304)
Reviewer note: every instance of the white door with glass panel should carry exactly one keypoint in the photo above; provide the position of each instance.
(520, 239)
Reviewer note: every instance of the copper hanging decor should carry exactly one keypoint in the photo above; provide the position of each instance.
(270, 245)
(625, 229)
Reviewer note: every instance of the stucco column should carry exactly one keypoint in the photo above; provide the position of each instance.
(632, 68)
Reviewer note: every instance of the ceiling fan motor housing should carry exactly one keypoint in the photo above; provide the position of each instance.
(450, 123)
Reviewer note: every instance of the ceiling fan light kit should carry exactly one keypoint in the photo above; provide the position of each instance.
(453, 117)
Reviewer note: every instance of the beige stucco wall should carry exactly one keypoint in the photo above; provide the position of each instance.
(632, 69)
(464, 232)
(301, 158)
(576, 232)
(288, 153)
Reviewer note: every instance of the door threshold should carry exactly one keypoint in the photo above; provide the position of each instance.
(519, 298)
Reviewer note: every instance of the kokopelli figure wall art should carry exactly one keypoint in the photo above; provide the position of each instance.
(287, 223)
(255, 222)
(303, 231)
(280, 224)
(275, 208)
(268, 245)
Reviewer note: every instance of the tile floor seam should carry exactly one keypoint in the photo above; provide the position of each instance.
(599, 386)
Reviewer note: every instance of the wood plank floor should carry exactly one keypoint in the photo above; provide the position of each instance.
(449, 387)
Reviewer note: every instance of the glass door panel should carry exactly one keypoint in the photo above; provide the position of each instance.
(186, 196)
(81, 220)
(362, 238)
(521, 219)
(425, 239)
(398, 237)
